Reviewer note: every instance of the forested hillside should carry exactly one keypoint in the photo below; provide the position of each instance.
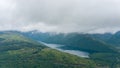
(17, 51)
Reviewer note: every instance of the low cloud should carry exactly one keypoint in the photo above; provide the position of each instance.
(88, 16)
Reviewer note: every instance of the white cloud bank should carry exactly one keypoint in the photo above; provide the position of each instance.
(89, 16)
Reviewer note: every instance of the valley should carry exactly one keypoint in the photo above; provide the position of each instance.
(74, 52)
(103, 53)
(61, 51)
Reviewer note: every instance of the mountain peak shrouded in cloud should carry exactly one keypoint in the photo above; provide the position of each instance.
(89, 16)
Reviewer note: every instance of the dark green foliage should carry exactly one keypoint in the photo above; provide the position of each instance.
(111, 60)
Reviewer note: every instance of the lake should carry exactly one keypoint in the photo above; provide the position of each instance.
(74, 52)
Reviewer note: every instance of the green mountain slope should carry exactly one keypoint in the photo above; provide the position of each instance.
(17, 51)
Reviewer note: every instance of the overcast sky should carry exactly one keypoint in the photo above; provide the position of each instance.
(89, 16)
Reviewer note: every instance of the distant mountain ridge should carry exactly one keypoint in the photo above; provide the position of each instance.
(73, 40)
(113, 39)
